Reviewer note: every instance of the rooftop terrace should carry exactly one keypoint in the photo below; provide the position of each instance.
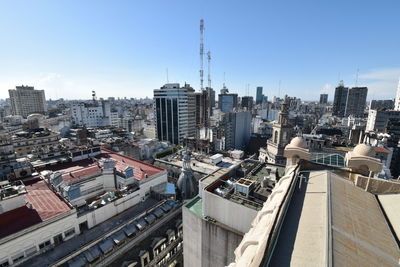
(41, 204)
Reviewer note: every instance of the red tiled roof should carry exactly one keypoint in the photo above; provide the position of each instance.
(45, 205)
(81, 173)
(140, 168)
(83, 168)
(380, 149)
(45, 201)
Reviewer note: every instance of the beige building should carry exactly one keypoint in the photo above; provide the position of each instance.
(27, 142)
(25, 100)
(281, 135)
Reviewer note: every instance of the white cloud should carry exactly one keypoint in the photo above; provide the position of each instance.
(381, 83)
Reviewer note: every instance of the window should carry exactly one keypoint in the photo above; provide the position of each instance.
(18, 257)
(44, 244)
(30, 251)
(69, 232)
(4, 263)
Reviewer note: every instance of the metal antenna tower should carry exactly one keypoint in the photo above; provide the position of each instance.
(209, 68)
(357, 77)
(201, 53)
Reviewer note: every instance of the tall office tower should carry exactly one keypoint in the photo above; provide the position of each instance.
(203, 108)
(227, 102)
(340, 99)
(397, 100)
(175, 112)
(211, 93)
(323, 99)
(237, 129)
(259, 96)
(356, 101)
(26, 100)
(247, 102)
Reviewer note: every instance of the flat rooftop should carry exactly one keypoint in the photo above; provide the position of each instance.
(199, 163)
(330, 217)
(223, 182)
(74, 171)
(41, 204)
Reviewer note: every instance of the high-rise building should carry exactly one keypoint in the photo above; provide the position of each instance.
(356, 101)
(203, 108)
(382, 104)
(175, 112)
(259, 96)
(237, 129)
(340, 99)
(247, 102)
(378, 119)
(25, 100)
(211, 94)
(323, 99)
(397, 100)
(227, 102)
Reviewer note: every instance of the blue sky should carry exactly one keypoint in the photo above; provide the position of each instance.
(123, 48)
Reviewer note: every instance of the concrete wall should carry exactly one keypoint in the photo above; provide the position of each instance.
(234, 215)
(377, 186)
(218, 245)
(104, 213)
(192, 253)
(206, 244)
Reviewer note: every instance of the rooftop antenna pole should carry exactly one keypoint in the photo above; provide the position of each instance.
(357, 77)
(94, 96)
(209, 68)
(201, 53)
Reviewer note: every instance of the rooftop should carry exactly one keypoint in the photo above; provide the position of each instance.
(249, 174)
(331, 218)
(41, 204)
(75, 171)
(202, 164)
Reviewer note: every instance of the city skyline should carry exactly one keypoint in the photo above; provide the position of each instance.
(125, 50)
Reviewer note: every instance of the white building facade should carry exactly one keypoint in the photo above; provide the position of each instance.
(96, 114)
(397, 100)
(175, 112)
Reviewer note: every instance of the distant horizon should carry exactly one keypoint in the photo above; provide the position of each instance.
(128, 49)
(216, 96)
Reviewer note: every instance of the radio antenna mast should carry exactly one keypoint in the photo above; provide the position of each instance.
(201, 53)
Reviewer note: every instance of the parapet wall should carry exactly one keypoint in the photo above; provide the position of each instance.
(377, 186)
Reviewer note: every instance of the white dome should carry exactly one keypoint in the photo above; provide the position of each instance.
(299, 142)
(364, 150)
